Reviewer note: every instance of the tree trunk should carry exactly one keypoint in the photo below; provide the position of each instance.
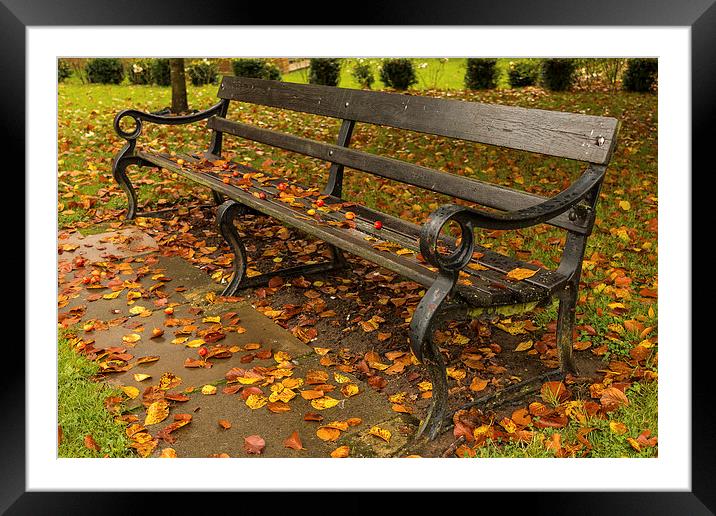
(179, 101)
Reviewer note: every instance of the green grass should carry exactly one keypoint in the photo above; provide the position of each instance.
(639, 415)
(81, 408)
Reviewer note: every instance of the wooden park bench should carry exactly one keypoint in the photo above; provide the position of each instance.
(463, 280)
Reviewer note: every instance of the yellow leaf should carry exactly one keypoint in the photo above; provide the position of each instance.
(180, 340)
(524, 346)
(130, 391)
(214, 319)
(425, 386)
(136, 310)
(380, 432)
(208, 389)
(617, 427)
(195, 343)
(113, 295)
(339, 378)
(325, 402)
(256, 401)
(625, 205)
(521, 273)
(140, 377)
(157, 412)
(131, 338)
(349, 389)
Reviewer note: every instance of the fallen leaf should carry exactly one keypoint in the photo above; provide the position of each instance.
(341, 452)
(380, 432)
(90, 443)
(156, 412)
(223, 423)
(254, 444)
(294, 442)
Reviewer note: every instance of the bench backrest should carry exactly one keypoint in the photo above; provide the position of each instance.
(568, 135)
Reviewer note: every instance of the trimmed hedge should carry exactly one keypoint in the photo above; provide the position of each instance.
(325, 71)
(481, 74)
(640, 74)
(558, 74)
(104, 70)
(398, 73)
(256, 68)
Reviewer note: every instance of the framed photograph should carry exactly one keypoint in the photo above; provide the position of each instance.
(627, 89)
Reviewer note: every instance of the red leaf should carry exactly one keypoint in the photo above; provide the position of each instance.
(254, 444)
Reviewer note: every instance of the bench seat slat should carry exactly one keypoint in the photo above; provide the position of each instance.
(483, 287)
(567, 135)
(467, 189)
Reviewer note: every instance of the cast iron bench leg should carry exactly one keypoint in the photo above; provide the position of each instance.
(422, 326)
(565, 328)
(119, 172)
(225, 215)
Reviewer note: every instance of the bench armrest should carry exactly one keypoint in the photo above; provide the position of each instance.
(138, 116)
(469, 218)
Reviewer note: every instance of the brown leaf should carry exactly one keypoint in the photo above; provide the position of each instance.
(613, 398)
(90, 443)
(294, 442)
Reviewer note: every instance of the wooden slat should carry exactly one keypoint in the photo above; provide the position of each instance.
(486, 286)
(467, 189)
(568, 135)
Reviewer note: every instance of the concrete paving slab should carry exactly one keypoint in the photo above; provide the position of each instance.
(205, 437)
(129, 241)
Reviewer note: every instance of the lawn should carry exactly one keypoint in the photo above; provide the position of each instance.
(617, 312)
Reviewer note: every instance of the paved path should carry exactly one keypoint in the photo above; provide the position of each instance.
(251, 341)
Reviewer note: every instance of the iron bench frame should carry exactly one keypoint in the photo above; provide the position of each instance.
(589, 139)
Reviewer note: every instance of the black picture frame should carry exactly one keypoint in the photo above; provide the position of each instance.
(699, 15)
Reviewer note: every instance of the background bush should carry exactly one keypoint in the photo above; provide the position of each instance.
(523, 73)
(363, 73)
(640, 74)
(160, 72)
(139, 71)
(256, 68)
(324, 71)
(398, 73)
(481, 74)
(202, 72)
(558, 74)
(64, 70)
(104, 70)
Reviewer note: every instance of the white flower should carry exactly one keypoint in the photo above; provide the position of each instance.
(136, 68)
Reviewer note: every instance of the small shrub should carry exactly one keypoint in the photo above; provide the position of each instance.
(523, 73)
(104, 70)
(640, 74)
(481, 74)
(160, 72)
(557, 74)
(325, 71)
(139, 71)
(256, 68)
(363, 73)
(202, 72)
(64, 70)
(398, 73)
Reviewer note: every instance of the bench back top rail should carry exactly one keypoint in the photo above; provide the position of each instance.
(467, 189)
(567, 135)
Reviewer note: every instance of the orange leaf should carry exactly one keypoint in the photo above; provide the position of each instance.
(341, 452)
(294, 442)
